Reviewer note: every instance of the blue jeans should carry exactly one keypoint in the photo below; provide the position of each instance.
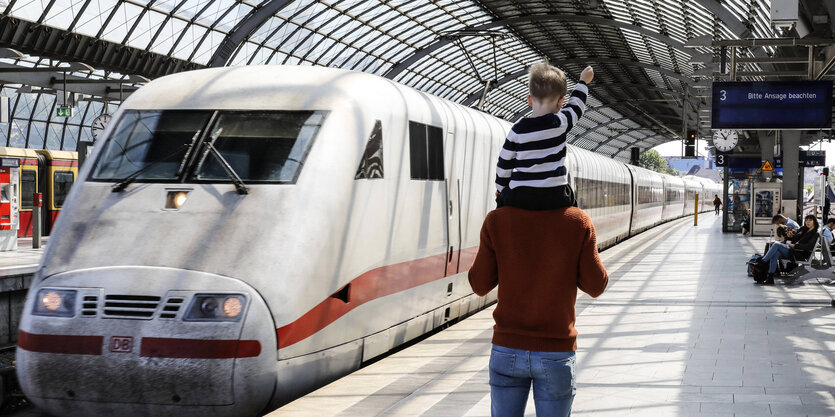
(512, 371)
(776, 252)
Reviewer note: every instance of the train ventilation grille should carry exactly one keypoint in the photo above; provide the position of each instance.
(171, 307)
(130, 306)
(90, 306)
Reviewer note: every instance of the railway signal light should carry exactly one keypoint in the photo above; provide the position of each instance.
(690, 144)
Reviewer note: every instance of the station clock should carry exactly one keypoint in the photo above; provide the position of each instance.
(725, 140)
(98, 125)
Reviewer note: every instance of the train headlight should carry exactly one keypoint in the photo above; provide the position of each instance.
(52, 302)
(216, 307)
(175, 199)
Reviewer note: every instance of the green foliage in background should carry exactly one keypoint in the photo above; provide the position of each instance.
(653, 161)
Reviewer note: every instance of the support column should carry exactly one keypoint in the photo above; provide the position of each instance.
(767, 146)
(791, 154)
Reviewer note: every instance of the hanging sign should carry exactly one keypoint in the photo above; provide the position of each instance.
(772, 105)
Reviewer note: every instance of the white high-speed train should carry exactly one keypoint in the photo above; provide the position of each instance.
(244, 235)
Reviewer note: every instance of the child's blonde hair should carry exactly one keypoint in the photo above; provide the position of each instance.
(546, 81)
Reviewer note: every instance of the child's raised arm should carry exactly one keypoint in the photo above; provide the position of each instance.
(587, 75)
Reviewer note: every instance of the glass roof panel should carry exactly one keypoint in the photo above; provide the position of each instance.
(62, 13)
(377, 36)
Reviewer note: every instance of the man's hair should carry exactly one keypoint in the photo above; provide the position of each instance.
(831, 221)
(777, 217)
(782, 230)
(547, 82)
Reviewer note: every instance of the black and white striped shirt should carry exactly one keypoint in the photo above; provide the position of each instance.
(533, 154)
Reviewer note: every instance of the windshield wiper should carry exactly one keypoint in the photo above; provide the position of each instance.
(121, 185)
(210, 147)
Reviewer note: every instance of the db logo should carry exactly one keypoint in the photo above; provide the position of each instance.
(121, 344)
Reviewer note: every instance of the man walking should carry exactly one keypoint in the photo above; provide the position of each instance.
(538, 260)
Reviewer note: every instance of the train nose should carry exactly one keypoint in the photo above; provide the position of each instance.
(207, 347)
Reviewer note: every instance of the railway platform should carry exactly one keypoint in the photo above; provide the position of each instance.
(680, 331)
(16, 271)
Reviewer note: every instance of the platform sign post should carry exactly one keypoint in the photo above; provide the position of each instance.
(696, 212)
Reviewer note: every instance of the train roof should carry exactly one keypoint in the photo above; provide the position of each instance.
(58, 154)
(18, 152)
(257, 87)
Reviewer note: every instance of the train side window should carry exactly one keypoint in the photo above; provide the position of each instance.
(426, 152)
(27, 188)
(62, 182)
(371, 165)
(435, 153)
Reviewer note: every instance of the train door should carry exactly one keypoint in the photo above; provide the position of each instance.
(28, 187)
(454, 154)
(56, 174)
(43, 188)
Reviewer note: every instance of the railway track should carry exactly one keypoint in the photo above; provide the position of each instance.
(11, 397)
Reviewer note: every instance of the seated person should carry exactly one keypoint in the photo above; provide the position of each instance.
(746, 224)
(827, 231)
(778, 250)
(800, 245)
(804, 239)
(779, 219)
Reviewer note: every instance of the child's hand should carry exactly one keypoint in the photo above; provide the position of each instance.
(587, 75)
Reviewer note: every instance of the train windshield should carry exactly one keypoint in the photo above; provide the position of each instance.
(150, 144)
(259, 145)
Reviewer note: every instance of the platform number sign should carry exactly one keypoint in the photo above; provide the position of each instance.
(721, 159)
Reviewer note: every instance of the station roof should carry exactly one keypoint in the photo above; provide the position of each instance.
(650, 69)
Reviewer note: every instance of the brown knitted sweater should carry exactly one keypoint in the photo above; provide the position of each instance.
(538, 259)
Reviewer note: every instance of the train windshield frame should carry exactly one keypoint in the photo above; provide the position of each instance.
(261, 146)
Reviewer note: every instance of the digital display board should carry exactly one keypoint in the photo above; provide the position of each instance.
(772, 105)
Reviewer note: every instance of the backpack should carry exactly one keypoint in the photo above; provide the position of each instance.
(752, 263)
(759, 270)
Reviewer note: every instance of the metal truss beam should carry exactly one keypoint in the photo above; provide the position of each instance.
(244, 29)
(472, 98)
(602, 126)
(48, 42)
(629, 145)
(571, 18)
(14, 74)
(616, 137)
(735, 25)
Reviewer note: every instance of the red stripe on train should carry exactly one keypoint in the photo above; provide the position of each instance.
(60, 343)
(367, 287)
(60, 163)
(161, 347)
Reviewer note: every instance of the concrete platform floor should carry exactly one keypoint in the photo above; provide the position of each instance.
(24, 260)
(681, 331)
